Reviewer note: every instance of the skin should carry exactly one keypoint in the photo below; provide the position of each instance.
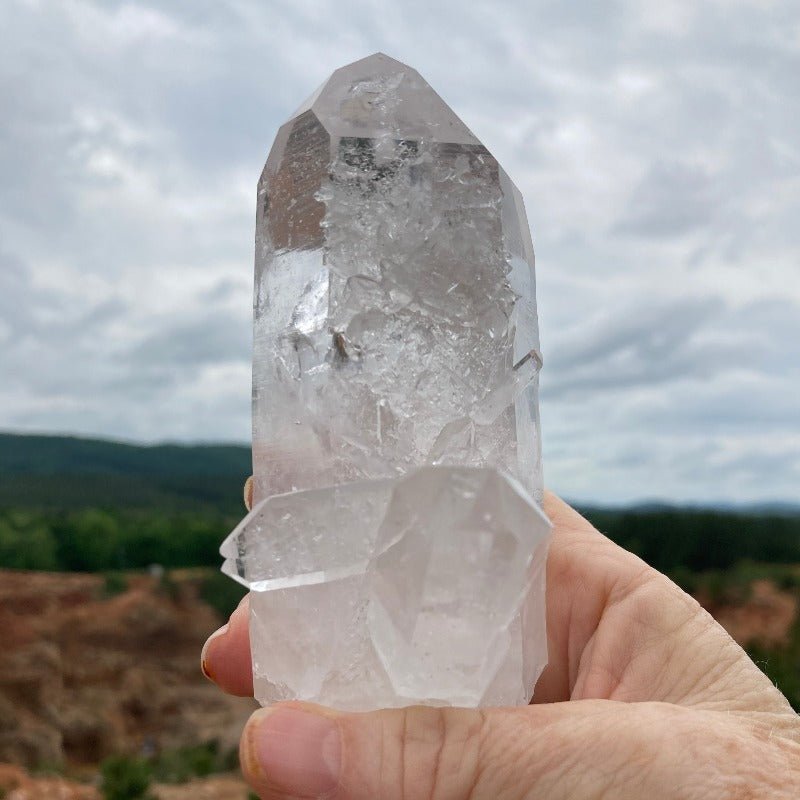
(645, 696)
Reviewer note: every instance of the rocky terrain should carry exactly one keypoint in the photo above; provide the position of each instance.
(91, 667)
(765, 618)
(88, 669)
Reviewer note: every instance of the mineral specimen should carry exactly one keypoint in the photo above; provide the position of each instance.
(426, 588)
(395, 315)
(395, 553)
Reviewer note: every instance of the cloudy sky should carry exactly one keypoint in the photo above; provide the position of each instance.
(657, 146)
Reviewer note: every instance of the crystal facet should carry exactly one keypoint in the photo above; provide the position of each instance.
(395, 310)
(396, 551)
(396, 591)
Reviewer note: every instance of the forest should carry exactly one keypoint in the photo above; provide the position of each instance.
(82, 505)
(93, 505)
(111, 537)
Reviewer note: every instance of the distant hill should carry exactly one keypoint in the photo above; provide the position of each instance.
(88, 504)
(70, 472)
(46, 471)
(774, 508)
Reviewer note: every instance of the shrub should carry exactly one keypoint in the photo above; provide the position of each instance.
(125, 778)
(185, 763)
(26, 543)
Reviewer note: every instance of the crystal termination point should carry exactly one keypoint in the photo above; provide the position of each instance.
(396, 550)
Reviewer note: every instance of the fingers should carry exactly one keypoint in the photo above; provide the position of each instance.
(226, 656)
(583, 566)
(617, 629)
(574, 750)
(248, 493)
(583, 570)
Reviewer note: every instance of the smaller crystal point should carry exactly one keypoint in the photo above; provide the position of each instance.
(422, 589)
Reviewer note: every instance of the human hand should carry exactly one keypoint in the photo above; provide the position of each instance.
(645, 696)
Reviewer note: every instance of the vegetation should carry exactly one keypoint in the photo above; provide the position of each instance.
(60, 473)
(198, 761)
(86, 505)
(125, 778)
(91, 505)
(104, 539)
(130, 778)
(699, 540)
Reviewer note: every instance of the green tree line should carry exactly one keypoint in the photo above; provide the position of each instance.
(699, 540)
(98, 539)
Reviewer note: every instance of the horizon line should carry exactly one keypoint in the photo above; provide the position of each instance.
(792, 506)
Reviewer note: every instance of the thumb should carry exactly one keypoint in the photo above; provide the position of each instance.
(583, 749)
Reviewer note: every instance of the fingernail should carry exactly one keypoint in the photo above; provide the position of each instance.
(296, 753)
(203, 655)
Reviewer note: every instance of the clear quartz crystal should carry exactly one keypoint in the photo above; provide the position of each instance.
(396, 550)
(396, 591)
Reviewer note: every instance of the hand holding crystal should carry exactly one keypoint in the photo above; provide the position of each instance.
(396, 551)
(645, 696)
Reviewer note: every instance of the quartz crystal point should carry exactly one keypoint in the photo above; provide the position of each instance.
(427, 588)
(395, 553)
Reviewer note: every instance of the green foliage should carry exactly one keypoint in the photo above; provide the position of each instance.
(180, 766)
(49, 455)
(83, 504)
(678, 542)
(125, 778)
(27, 541)
(63, 473)
(130, 778)
(90, 542)
(109, 540)
(76, 504)
(671, 539)
(196, 761)
(685, 578)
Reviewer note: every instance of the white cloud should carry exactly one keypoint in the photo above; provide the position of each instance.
(656, 148)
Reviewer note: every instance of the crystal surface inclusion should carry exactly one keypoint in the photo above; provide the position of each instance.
(395, 312)
(396, 550)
